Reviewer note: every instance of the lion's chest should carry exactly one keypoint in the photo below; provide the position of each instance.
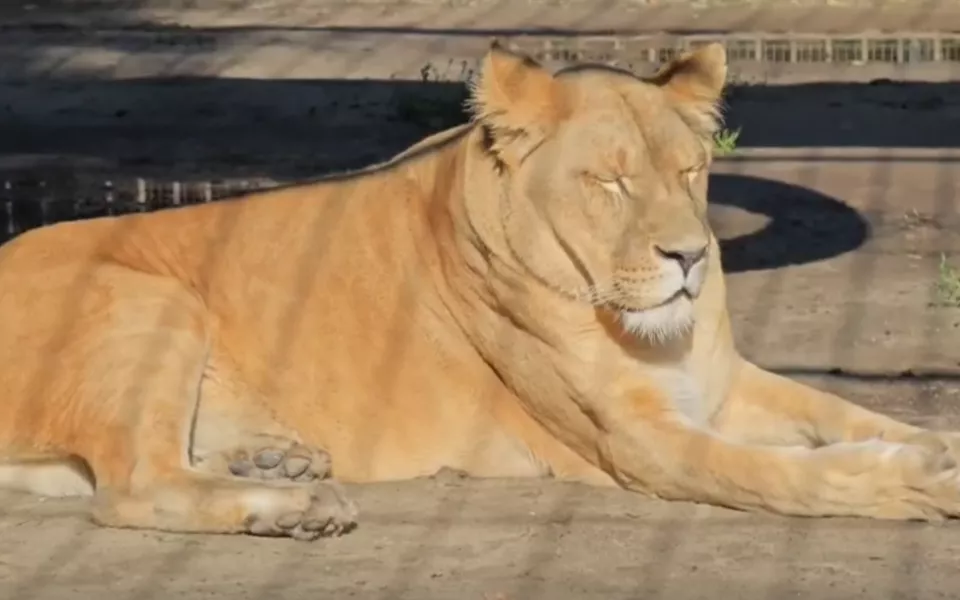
(687, 393)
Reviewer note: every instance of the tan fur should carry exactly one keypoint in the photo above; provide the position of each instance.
(505, 299)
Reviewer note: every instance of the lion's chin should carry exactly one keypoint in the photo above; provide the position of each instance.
(661, 323)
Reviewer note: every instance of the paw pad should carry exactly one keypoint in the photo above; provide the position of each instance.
(298, 463)
(329, 513)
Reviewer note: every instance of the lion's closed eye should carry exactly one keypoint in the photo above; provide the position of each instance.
(617, 186)
(690, 174)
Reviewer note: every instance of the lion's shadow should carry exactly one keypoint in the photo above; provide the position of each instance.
(802, 225)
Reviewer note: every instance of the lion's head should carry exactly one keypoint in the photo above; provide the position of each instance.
(605, 179)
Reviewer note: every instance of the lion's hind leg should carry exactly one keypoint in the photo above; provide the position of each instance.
(142, 356)
(236, 433)
(199, 503)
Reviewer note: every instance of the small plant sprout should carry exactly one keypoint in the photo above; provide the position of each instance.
(948, 284)
(725, 141)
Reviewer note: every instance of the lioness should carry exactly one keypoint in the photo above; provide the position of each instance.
(536, 293)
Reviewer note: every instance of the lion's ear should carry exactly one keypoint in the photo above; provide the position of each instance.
(696, 79)
(699, 75)
(516, 98)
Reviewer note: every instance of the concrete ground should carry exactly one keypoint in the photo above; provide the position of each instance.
(585, 15)
(834, 216)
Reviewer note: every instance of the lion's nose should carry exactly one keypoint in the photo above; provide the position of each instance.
(685, 257)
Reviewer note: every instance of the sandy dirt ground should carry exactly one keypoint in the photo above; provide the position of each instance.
(834, 217)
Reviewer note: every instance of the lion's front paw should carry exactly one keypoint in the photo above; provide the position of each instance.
(932, 479)
(281, 459)
(891, 480)
(325, 511)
